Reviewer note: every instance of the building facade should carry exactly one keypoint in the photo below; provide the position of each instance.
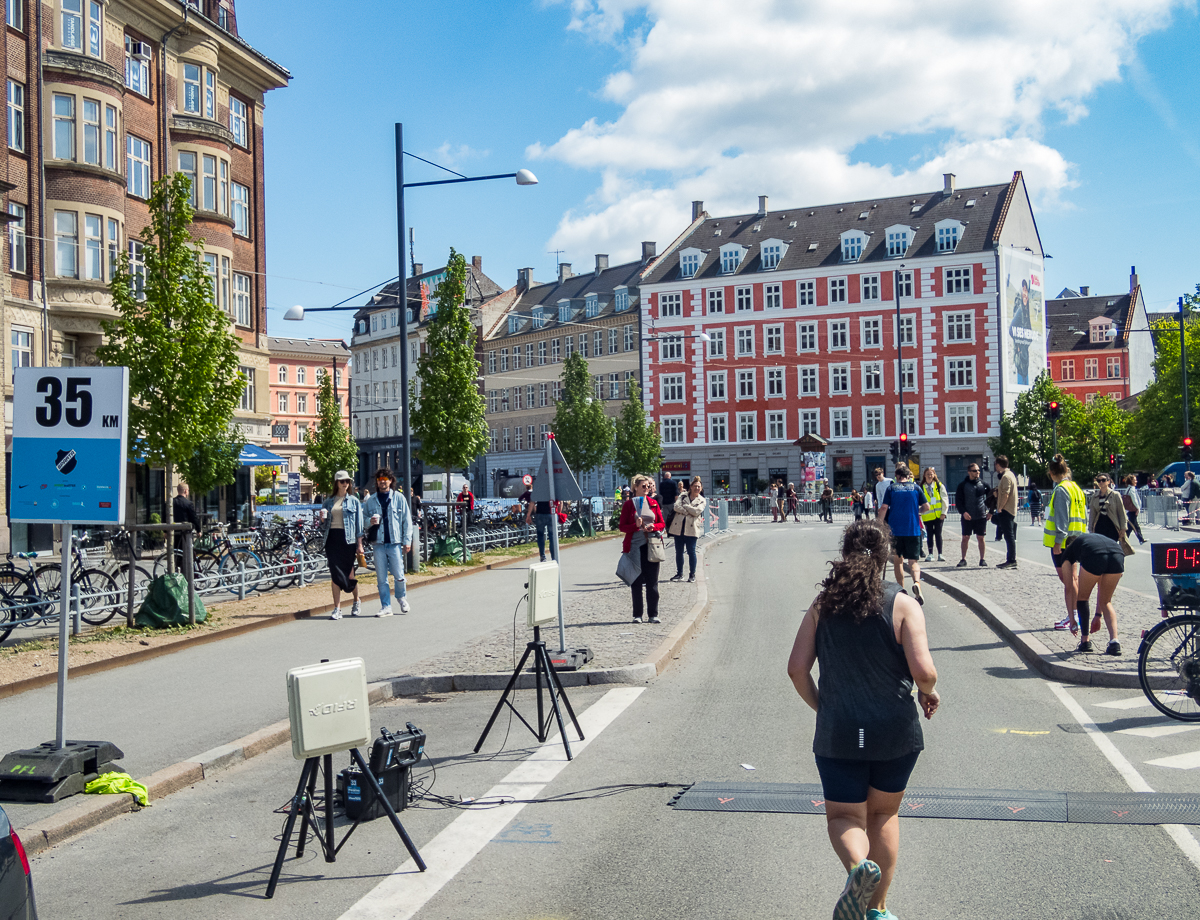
(595, 314)
(1100, 346)
(296, 370)
(104, 99)
(825, 320)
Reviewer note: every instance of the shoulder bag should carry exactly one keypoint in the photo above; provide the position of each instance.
(656, 549)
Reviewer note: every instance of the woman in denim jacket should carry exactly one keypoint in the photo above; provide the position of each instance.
(341, 534)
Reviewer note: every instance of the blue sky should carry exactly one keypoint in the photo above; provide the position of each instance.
(628, 109)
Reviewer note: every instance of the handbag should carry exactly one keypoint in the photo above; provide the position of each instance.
(629, 568)
(656, 548)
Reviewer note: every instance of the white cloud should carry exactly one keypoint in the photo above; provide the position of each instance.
(722, 103)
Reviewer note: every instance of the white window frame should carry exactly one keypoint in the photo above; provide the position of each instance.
(747, 383)
(717, 386)
(742, 335)
(806, 293)
(672, 388)
(810, 422)
(1091, 368)
(17, 253)
(777, 426)
(674, 429)
(872, 373)
(718, 424)
(839, 373)
(773, 331)
(870, 332)
(872, 421)
(747, 429)
(908, 368)
(808, 375)
(958, 368)
(955, 412)
(869, 285)
(957, 280)
(239, 196)
(1067, 369)
(239, 122)
(773, 296)
(775, 380)
(670, 305)
(907, 337)
(716, 343)
(948, 234)
(807, 334)
(716, 300)
(670, 348)
(836, 329)
(744, 299)
(837, 419)
(689, 262)
(953, 324)
(1114, 359)
(241, 308)
(910, 413)
(853, 245)
(16, 115)
(837, 290)
(905, 284)
(898, 241)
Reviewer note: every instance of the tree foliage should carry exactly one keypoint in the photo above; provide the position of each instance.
(448, 411)
(1156, 430)
(638, 448)
(583, 431)
(330, 445)
(184, 382)
(214, 463)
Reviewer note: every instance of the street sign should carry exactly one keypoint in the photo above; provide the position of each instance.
(70, 445)
(527, 480)
(565, 486)
(293, 488)
(281, 431)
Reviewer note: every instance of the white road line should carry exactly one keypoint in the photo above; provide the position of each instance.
(1177, 832)
(1132, 702)
(406, 891)
(1179, 761)
(1158, 731)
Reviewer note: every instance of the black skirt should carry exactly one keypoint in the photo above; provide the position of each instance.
(340, 556)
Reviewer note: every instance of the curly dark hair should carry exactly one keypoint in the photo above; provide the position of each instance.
(854, 586)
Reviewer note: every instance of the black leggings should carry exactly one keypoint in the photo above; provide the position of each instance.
(649, 578)
(1131, 526)
(933, 531)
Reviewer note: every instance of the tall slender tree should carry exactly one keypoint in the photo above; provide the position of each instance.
(583, 431)
(330, 446)
(638, 447)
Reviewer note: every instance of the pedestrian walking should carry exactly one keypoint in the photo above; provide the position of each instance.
(1189, 492)
(793, 502)
(542, 515)
(183, 512)
(971, 501)
(856, 504)
(1034, 497)
(881, 485)
(1100, 562)
(904, 504)
(641, 520)
(1106, 513)
(388, 513)
(341, 535)
(466, 498)
(781, 500)
(933, 519)
(685, 527)
(868, 498)
(827, 505)
(871, 641)
(1131, 501)
(669, 490)
(1066, 513)
(1006, 511)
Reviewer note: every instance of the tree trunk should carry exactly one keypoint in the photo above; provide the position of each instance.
(169, 515)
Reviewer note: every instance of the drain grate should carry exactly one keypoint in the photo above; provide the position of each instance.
(960, 804)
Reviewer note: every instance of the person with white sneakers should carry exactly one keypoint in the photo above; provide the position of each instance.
(388, 514)
(341, 535)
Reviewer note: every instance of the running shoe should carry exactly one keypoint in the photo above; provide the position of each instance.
(638, 618)
(1085, 646)
(941, 558)
(962, 564)
(654, 620)
(677, 577)
(337, 613)
(356, 609)
(983, 562)
(929, 557)
(1064, 623)
(916, 589)
(884, 914)
(1114, 649)
(385, 611)
(860, 885)
(404, 608)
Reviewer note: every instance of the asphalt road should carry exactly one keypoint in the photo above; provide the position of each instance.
(726, 703)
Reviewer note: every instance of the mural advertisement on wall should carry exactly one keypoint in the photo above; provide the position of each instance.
(1022, 321)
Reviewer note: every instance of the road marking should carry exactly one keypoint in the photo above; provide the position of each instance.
(1132, 702)
(1158, 731)
(1179, 761)
(1177, 832)
(406, 891)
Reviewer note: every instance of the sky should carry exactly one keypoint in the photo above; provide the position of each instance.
(628, 110)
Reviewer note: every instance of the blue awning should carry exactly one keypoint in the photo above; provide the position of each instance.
(253, 455)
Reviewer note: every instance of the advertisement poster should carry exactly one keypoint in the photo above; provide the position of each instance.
(1022, 321)
(293, 488)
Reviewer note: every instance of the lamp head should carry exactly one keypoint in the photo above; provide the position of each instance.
(525, 177)
(294, 313)
(704, 337)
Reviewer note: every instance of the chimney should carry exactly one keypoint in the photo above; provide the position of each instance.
(1133, 278)
(418, 269)
(1083, 290)
(524, 278)
(477, 263)
(601, 263)
(762, 205)
(697, 210)
(564, 272)
(648, 250)
(948, 187)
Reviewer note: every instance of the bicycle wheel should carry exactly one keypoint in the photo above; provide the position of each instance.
(1169, 658)
(141, 580)
(282, 570)
(229, 570)
(16, 594)
(99, 596)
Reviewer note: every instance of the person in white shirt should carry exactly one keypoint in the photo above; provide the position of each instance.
(882, 484)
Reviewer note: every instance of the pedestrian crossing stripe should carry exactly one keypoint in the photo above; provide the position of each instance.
(1158, 731)
(1189, 761)
(1133, 702)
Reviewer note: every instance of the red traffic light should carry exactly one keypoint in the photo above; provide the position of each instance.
(1053, 405)
(904, 437)
(1187, 442)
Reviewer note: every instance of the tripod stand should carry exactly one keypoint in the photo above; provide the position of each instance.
(541, 668)
(302, 803)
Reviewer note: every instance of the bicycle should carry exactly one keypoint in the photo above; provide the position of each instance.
(99, 596)
(1169, 653)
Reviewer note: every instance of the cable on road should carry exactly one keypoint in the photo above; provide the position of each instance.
(581, 795)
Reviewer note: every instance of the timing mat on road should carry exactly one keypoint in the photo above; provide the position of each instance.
(963, 804)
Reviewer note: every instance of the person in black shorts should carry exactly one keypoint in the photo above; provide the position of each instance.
(971, 501)
(1101, 561)
(870, 639)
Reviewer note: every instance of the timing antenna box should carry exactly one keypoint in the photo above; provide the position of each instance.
(543, 593)
(327, 707)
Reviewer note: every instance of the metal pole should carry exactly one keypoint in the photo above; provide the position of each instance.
(75, 610)
(402, 298)
(1183, 370)
(189, 572)
(132, 575)
(899, 367)
(463, 525)
(63, 650)
(562, 631)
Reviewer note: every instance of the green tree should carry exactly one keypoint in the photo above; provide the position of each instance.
(583, 431)
(1102, 429)
(184, 382)
(1156, 429)
(638, 448)
(330, 446)
(448, 411)
(214, 463)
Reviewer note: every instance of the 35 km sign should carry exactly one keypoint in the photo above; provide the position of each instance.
(69, 445)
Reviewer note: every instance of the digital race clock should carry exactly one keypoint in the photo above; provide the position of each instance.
(1175, 558)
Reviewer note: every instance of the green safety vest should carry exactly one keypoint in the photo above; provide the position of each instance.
(938, 501)
(1078, 520)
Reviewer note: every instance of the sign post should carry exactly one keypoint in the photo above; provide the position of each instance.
(556, 482)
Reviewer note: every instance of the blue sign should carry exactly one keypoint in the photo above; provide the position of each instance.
(70, 445)
(293, 488)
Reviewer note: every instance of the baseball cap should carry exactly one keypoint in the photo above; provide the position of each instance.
(342, 475)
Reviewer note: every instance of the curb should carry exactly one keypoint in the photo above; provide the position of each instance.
(91, 811)
(119, 661)
(1026, 644)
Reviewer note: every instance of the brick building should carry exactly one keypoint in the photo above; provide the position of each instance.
(776, 324)
(1100, 345)
(296, 370)
(122, 92)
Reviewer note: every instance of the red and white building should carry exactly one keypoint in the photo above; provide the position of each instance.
(760, 328)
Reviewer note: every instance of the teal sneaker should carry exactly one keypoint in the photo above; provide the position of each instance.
(884, 914)
(860, 885)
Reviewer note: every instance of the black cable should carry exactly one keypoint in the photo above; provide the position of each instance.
(597, 792)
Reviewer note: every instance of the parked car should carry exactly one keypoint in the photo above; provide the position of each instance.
(16, 886)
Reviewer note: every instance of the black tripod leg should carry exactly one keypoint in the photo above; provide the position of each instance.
(327, 766)
(542, 722)
(503, 697)
(387, 806)
(552, 681)
(309, 766)
(562, 691)
(307, 808)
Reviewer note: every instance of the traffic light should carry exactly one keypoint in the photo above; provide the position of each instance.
(1112, 461)
(1053, 410)
(894, 451)
(903, 447)
(1185, 452)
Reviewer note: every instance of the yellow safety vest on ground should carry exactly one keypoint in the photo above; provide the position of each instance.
(1077, 523)
(938, 501)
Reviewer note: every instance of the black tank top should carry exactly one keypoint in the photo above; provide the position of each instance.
(866, 708)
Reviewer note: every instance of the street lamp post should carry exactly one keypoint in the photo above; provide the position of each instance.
(902, 430)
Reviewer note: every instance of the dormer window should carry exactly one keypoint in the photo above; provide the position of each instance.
(731, 257)
(853, 243)
(513, 323)
(689, 262)
(621, 299)
(948, 233)
(564, 311)
(591, 306)
(1102, 330)
(539, 318)
(899, 238)
(772, 253)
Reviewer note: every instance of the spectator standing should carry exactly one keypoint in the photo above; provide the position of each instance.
(640, 518)
(341, 535)
(868, 499)
(856, 504)
(183, 512)
(542, 516)
(827, 505)
(933, 519)
(1131, 500)
(971, 501)
(904, 504)
(1106, 513)
(686, 525)
(871, 641)
(1035, 505)
(1006, 511)
(467, 497)
(415, 503)
(669, 490)
(389, 510)
(882, 484)
(781, 500)
(793, 502)
(1189, 492)
(1066, 513)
